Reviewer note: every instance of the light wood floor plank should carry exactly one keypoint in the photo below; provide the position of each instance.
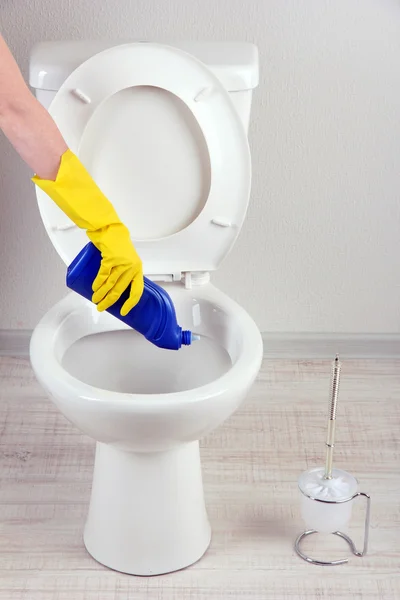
(251, 465)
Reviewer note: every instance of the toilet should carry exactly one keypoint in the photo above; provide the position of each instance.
(163, 131)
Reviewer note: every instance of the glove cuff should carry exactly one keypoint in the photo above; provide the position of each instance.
(77, 195)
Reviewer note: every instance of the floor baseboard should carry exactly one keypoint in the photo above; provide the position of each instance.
(327, 345)
(15, 342)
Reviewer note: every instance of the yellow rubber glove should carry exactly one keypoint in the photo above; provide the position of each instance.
(75, 192)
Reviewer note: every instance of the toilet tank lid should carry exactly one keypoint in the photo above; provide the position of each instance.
(234, 63)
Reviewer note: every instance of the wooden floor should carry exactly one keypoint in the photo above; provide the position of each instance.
(250, 470)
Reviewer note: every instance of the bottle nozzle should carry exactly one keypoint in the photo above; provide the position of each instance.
(188, 337)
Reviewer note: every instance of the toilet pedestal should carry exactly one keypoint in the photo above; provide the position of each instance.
(147, 514)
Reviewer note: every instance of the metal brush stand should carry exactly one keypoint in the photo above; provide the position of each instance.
(330, 444)
(345, 537)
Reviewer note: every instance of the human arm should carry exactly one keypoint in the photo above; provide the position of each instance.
(25, 122)
(36, 138)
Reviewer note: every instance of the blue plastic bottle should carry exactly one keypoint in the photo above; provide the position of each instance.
(154, 316)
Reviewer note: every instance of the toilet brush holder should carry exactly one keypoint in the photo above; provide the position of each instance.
(326, 507)
(327, 494)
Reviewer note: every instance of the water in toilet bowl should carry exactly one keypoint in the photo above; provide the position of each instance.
(123, 361)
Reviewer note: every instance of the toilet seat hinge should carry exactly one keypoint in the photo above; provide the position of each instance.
(167, 278)
(189, 279)
(196, 278)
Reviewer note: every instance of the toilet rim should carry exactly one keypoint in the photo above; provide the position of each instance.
(48, 368)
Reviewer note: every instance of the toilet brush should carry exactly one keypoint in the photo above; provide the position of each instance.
(327, 493)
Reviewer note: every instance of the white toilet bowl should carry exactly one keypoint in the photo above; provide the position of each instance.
(147, 408)
(163, 131)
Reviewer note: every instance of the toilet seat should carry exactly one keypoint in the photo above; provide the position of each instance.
(127, 420)
(215, 315)
(201, 244)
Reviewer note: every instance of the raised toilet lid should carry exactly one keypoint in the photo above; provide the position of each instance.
(159, 134)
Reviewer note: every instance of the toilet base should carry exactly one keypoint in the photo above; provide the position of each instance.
(147, 514)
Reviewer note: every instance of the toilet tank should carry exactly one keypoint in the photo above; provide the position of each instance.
(235, 65)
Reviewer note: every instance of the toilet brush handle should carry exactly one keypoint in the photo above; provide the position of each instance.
(330, 440)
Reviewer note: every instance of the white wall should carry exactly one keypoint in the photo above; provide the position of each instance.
(320, 250)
